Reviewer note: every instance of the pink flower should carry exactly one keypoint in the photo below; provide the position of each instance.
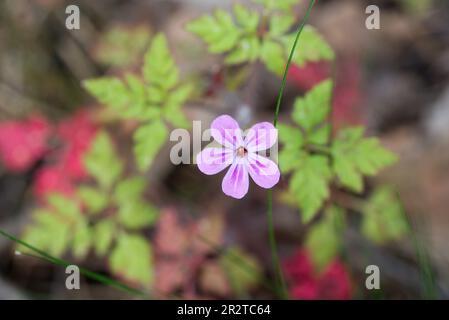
(240, 152)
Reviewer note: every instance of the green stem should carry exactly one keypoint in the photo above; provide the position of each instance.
(274, 252)
(272, 237)
(90, 274)
(289, 61)
(427, 275)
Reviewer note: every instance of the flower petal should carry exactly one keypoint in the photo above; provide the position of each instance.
(263, 171)
(261, 136)
(226, 131)
(213, 160)
(236, 182)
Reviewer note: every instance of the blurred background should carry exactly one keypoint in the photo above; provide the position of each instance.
(394, 80)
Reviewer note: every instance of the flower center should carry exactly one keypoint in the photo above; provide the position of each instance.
(241, 152)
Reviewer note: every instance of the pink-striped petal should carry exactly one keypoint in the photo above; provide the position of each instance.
(261, 136)
(213, 160)
(263, 171)
(226, 131)
(236, 182)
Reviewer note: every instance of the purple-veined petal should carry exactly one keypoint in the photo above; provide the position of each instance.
(236, 182)
(213, 160)
(263, 171)
(261, 136)
(226, 131)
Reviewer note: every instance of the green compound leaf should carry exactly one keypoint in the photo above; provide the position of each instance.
(313, 47)
(148, 140)
(247, 49)
(103, 235)
(290, 155)
(247, 19)
(219, 31)
(48, 232)
(277, 4)
(129, 190)
(280, 24)
(324, 240)
(321, 135)
(122, 46)
(244, 38)
(159, 67)
(136, 214)
(383, 217)
(243, 271)
(102, 162)
(66, 207)
(313, 109)
(310, 184)
(290, 137)
(82, 240)
(53, 228)
(95, 200)
(172, 111)
(273, 55)
(109, 91)
(133, 98)
(355, 156)
(132, 259)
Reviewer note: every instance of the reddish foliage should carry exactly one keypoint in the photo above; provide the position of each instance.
(75, 134)
(51, 179)
(22, 143)
(347, 93)
(333, 283)
(309, 75)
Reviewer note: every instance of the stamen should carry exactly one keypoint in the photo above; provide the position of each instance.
(241, 151)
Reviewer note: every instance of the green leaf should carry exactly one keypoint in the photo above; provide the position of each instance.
(314, 108)
(129, 190)
(247, 50)
(132, 259)
(289, 159)
(290, 155)
(109, 91)
(383, 217)
(280, 24)
(321, 135)
(136, 214)
(148, 139)
(277, 4)
(243, 271)
(246, 18)
(273, 56)
(159, 67)
(102, 162)
(324, 240)
(122, 46)
(290, 136)
(313, 47)
(49, 232)
(127, 97)
(65, 206)
(218, 31)
(172, 109)
(103, 235)
(94, 199)
(309, 184)
(81, 241)
(355, 156)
